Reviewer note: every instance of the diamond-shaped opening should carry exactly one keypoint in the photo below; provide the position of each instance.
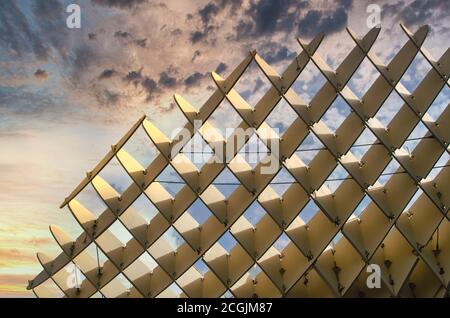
(363, 78)
(278, 57)
(114, 174)
(309, 148)
(254, 271)
(362, 206)
(254, 151)
(173, 238)
(89, 198)
(201, 267)
(281, 117)
(282, 181)
(227, 294)
(344, 46)
(225, 118)
(254, 213)
(50, 286)
(309, 211)
(145, 259)
(336, 114)
(96, 253)
(173, 291)
(440, 103)
(415, 137)
(413, 199)
(282, 241)
(110, 290)
(197, 151)
(336, 238)
(226, 182)
(389, 109)
(120, 232)
(170, 180)
(309, 82)
(227, 241)
(97, 295)
(335, 179)
(199, 211)
(140, 147)
(385, 50)
(75, 276)
(364, 142)
(144, 207)
(415, 73)
(444, 161)
(388, 171)
(252, 85)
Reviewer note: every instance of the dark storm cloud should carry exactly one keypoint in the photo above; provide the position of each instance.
(84, 57)
(108, 73)
(50, 24)
(17, 35)
(197, 36)
(207, 16)
(133, 77)
(287, 16)
(120, 4)
(122, 34)
(149, 85)
(222, 67)
(274, 53)
(418, 11)
(270, 16)
(267, 17)
(166, 80)
(317, 21)
(193, 79)
(41, 74)
(128, 36)
(208, 11)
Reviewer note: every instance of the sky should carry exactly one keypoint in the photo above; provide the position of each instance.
(67, 94)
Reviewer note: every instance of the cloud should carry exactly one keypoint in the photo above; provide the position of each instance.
(108, 73)
(141, 42)
(418, 11)
(316, 21)
(150, 86)
(17, 34)
(222, 67)
(167, 80)
(120, 4)
(41, 74)
(193, 79)
(107, 97)
(274, 53)
(14, 255)
(122, 34)
(133, 77)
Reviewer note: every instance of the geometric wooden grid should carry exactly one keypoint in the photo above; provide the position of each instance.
(404, 228)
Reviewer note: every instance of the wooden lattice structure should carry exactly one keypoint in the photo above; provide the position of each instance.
(404, 229)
